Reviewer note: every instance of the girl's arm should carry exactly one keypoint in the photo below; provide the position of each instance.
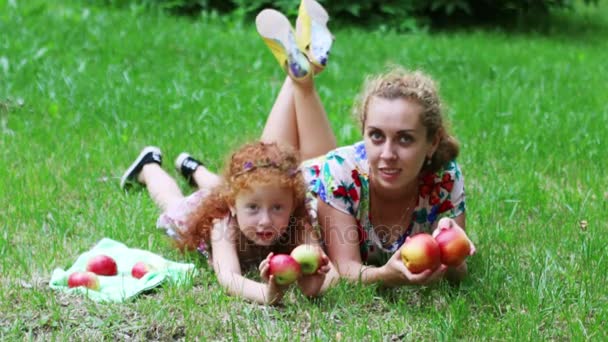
(228, 270)
(342, 240)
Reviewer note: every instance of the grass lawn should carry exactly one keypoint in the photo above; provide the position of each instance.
(84, 88)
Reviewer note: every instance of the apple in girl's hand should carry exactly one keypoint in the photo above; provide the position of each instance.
(86, 279)
(454, 245)
(140, 269)
(284, 268)
(420, 252)
(102, 265)
(309, 257)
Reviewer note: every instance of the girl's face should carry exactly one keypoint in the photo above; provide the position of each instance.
(263, 212)
(396, 143)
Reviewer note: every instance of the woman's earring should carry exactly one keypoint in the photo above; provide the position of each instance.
(429, 160)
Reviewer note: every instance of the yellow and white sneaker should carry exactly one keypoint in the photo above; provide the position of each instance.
(312, 35)
(277, 33)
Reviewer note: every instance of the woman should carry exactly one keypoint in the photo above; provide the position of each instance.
(370, 196)
(400, 180)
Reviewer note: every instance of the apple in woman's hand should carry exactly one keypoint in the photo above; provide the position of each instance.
(309, 257)
(420, 252)
(102, 265)
(454, 245)
(86, 279)
(284, 268)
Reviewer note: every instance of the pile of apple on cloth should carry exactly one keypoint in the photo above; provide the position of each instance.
(135, 271)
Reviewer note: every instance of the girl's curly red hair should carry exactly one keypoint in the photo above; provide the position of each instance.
(257, 163)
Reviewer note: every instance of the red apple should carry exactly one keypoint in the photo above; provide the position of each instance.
(140, 269)
(102, 265)
(309, 257)
(284, 268)
(420, 252)
(454, 245)
(86, 279)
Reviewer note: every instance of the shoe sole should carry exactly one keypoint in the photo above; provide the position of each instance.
(277, 33)
(124, 180)
(312, 33)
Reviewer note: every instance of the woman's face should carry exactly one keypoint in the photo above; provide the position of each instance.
(396, 143)
(263, 212)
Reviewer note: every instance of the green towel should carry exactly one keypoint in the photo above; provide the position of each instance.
(122, 286)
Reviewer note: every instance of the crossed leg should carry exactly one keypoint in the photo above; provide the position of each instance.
(298, 118)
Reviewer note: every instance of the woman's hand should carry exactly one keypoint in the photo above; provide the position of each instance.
(449, 223)
(455, 274)
(395, 273)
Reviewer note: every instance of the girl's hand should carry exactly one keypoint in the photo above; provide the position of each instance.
(265, 268)
(324, 265)
(274, 291)
(311, 284)
(395, 273)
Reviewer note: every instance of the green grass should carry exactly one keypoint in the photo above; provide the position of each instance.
(83, 89)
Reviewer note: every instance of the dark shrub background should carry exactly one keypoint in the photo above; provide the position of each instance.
(401, 15)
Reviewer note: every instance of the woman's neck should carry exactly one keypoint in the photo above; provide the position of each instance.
(394, 195)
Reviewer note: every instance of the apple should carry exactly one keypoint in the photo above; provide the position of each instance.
(86, 279)
(309, 257)
(420, 252)
(454, 245)
(284, 268)
(140, 269)
(102, 265)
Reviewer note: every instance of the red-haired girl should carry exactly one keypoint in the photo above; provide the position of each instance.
(259, 206)
(238, 221)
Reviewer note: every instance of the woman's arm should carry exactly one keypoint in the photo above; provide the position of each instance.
(342, 240)
(228, 270)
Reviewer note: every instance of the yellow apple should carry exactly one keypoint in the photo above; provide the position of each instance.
(420, 252)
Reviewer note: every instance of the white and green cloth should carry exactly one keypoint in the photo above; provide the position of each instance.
(123, 286)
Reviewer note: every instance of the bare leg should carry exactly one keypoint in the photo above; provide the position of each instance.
(205, 179)
(281, 125)
(162, 188)
(298, 118)
(314, 130)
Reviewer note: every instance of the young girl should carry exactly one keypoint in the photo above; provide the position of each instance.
(240, 220)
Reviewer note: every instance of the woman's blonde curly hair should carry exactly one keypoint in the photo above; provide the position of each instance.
(413, 85)
(253, 164)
